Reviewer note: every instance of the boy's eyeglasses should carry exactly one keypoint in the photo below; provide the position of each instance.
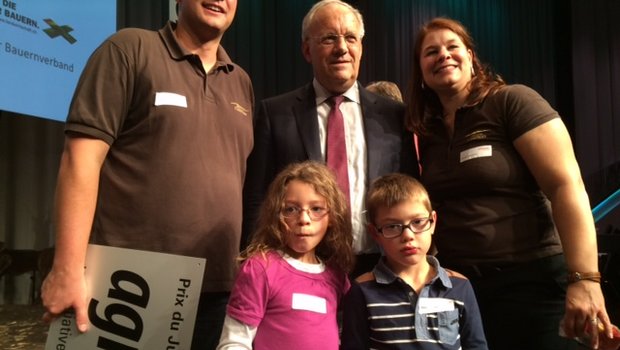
(315, 213)
(416, 226)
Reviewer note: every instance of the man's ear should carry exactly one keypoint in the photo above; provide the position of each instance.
(305, 50)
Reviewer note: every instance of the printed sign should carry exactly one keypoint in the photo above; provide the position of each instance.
(138, 300)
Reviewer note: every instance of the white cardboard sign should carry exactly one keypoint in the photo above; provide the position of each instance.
(138, 300)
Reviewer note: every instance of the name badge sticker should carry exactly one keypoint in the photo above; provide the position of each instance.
(476, 152)
(431, 305)
(170, 99)
(309, 303)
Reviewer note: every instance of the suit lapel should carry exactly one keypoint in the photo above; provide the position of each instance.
(307, 123)
(373, 149)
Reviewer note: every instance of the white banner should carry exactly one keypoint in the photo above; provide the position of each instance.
(138, 300)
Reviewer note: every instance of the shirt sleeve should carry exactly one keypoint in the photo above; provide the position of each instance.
(250, 294)
(236, 335)
(355, 327)
(100, 104)
(525, 109)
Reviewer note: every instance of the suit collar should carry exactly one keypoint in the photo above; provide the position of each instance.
(322, 94)
(372, 131)
(307, 122)
(305, 114)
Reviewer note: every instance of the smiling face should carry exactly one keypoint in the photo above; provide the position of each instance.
(303, 233)
(409, 248)
(445, 61)
(334, 47)
(207, 18)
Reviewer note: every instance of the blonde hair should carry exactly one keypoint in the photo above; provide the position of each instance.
(392, 189)
(336, 246)
(385, 88)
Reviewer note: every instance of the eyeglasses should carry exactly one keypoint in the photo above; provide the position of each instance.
(332, 39)
(293, 212)
(416, 226)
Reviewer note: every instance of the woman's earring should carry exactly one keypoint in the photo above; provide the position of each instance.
(423, 86)
(473, 72)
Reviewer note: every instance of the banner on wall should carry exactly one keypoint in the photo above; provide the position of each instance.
(44, 45)
(138, 300)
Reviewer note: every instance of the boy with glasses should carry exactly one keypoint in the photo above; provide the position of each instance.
(408, 300)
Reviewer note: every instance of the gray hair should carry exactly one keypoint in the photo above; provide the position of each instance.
(309, 18)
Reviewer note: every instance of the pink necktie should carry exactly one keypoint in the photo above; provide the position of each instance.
(336, 154)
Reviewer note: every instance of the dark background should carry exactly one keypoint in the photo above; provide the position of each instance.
(568, 50)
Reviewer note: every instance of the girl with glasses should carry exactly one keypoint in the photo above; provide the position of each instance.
(294, 271)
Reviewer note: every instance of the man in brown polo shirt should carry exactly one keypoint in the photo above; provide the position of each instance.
(157, 137)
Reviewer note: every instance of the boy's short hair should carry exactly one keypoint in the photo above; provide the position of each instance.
(392, 189)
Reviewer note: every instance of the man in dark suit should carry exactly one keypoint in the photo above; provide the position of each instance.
(293, 127)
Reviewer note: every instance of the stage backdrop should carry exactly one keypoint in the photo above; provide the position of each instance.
(567, 50)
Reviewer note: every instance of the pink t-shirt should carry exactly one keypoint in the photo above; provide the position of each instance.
(291, 309)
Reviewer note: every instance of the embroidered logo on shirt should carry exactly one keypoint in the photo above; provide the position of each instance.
(239, 108)
(477, 135)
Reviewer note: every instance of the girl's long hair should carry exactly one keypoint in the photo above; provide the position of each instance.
(335, 248)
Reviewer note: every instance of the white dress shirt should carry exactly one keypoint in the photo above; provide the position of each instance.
(351, 109)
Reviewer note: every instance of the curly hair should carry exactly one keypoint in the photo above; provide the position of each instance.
(335, 248)
(423, 102)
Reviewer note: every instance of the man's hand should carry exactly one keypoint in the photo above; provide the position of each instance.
(62, 290)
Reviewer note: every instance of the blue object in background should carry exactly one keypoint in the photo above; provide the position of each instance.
(606, 206)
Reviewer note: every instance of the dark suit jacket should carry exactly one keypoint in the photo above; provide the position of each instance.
(286, 130)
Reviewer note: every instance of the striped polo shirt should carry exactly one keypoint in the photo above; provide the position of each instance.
(381, 311)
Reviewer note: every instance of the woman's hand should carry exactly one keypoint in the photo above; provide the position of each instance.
(585, 311)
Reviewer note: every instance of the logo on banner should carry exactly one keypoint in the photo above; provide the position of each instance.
(56, 30)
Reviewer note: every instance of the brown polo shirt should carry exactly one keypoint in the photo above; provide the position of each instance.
(490, 210)
(179, 138)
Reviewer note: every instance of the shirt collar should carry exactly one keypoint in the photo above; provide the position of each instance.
(384, 275)
(321, 93)
(178, 52)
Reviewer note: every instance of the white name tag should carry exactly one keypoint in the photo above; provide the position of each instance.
(476, 152)
(309, 303)
(170, 99)
(430, 305)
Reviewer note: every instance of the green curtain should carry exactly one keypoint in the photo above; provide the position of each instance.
(265, 39)
(566, 50)
(515, 37)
